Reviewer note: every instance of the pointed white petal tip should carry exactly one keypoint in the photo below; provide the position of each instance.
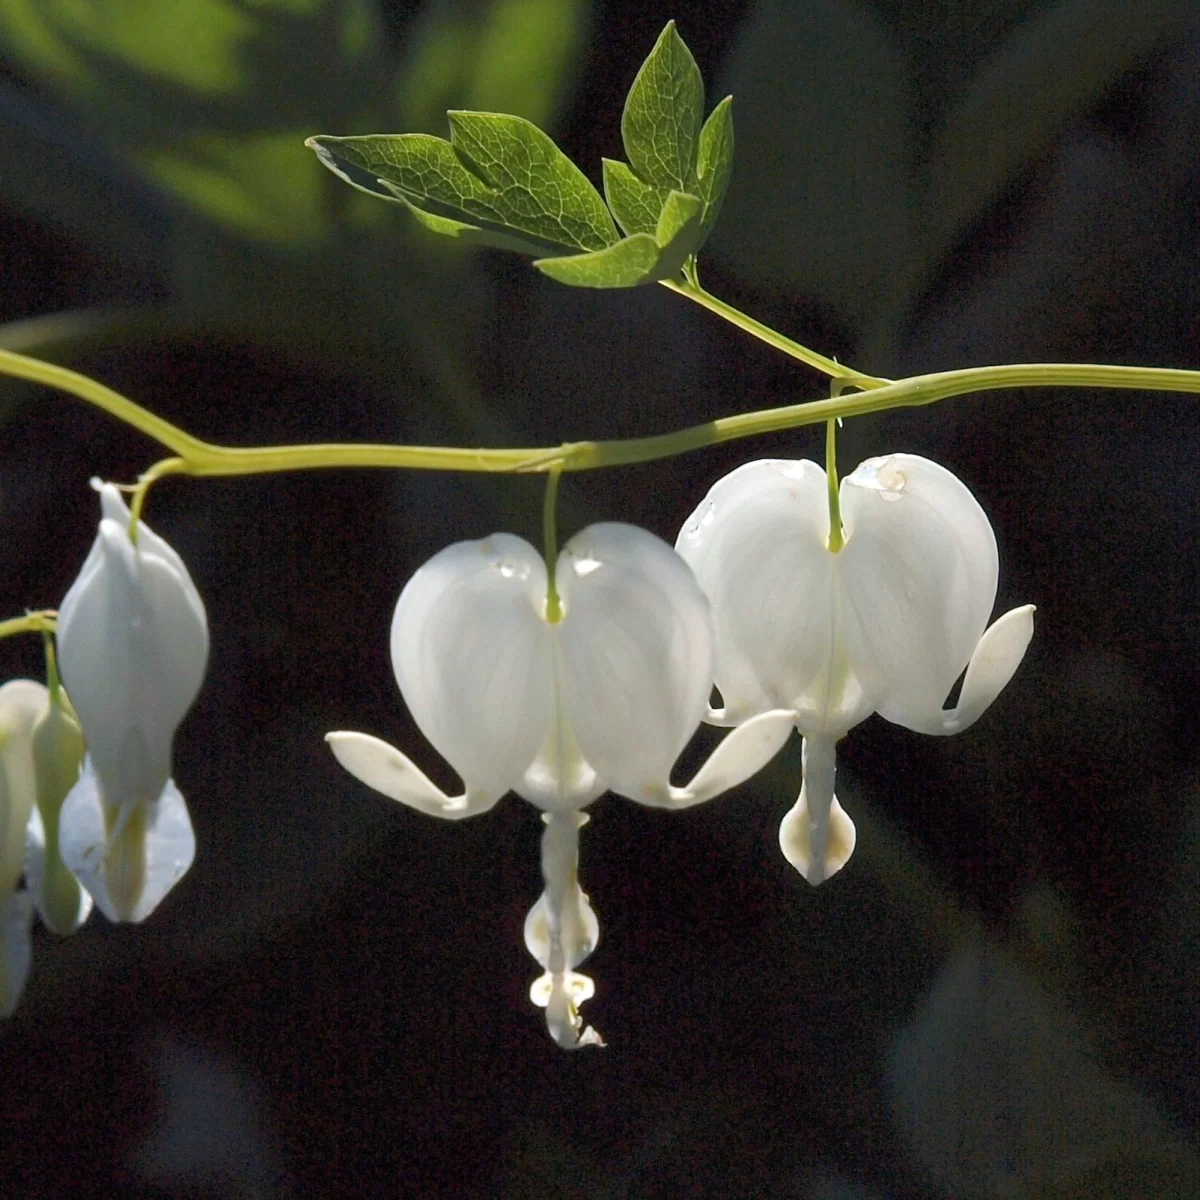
(16, 951)
(993, 664)
(129, 870)
(381, 766)
(560, 995)
(796, 836)
(742, 753)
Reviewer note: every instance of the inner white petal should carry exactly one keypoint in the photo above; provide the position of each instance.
(472, 655)
(637, 655)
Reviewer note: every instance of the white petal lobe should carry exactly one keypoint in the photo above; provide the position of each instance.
(758, 546)
(132, 641)
(382, 767)
(993, 664)
(637, 654)
(919, 573)
(743, 752)
(816, 836)
(472, 656)
(128, 857)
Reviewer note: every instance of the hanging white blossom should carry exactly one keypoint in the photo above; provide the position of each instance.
(559, 711)
(884, 624)
(132, 647)
(61, 902)
(22, 704)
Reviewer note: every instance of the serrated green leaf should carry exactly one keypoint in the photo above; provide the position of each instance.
(661, 121)
(499, 175)
(714, 163)
(639, 258)
(635, 204)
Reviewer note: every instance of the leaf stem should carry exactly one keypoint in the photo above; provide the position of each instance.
(835, 370)
(32, 622)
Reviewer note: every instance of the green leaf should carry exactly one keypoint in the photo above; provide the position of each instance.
(499, 176)
(635, 204)
(714, 163)
(661, 121)
(630, 262)
(680, 212)
(639, 258)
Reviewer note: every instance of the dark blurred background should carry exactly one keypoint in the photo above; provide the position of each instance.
(998, 997)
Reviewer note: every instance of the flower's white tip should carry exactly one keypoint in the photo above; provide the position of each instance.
(578, 987)
(381, 766)
(62, 903)
(16, 952)
(578, 930)
(131, 857)
(799, 832)
(742, 753)
(560, 994)
(993, 664)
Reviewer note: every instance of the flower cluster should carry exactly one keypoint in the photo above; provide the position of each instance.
(599, 683)
(805, 607)
(88, 809)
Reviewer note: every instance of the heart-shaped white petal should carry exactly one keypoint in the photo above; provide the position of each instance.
(637, 654)
(472, 656)
(919, 573)
(757, 544)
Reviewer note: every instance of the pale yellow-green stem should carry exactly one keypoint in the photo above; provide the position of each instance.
(836, 540)
(53, 685)
(693, 291)
(33, 622)
(550, 544)
(199, 458)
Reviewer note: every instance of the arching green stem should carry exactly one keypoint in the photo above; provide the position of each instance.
(199, 458)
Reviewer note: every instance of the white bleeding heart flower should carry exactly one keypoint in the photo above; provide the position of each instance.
(23, 703)
(604, 698)
(886, 623)
(62, 903)
(132, 640)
